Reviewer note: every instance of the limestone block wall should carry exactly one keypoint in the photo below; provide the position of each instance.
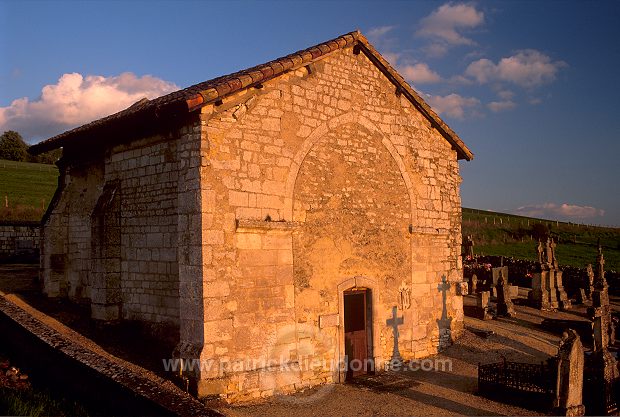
(319, 178)
(146, 172)
(13, 233)
(120, 254)
(66, 248)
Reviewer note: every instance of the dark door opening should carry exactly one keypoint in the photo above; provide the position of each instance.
(357, 332)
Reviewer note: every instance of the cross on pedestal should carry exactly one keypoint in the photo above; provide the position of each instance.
(394, 322)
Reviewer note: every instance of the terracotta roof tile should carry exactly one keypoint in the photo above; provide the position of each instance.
(267, 71)
(193, 97)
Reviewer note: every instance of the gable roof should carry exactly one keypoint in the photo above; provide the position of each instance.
(192, 98)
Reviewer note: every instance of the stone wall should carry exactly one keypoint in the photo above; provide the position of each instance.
(66, 245)
(112, 235)
(146, 172)
(321, 180)
(18, 236)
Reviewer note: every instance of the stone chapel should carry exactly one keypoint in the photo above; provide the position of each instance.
(281, 219)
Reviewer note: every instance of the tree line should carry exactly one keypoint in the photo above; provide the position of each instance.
(14, 148)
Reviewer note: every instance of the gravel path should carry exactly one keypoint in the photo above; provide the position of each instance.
(432, 393)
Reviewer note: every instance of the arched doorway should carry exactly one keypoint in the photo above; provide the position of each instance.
(358, 332)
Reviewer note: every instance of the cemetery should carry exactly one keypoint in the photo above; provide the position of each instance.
(588, 349)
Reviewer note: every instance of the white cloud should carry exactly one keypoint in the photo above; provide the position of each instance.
(453, 105)
(445, 25)
(497, 106)
(419, 73)
(505, 94)
(527, 68)
(391, 57)
(435, 50)
(75, 100)
(378, 32)
(460, 80)
(565, 211)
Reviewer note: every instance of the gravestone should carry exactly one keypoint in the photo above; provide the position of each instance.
(539, 295)
(496, 271)
(547, 288)
(551, 288)
(581, 296)
(564, 302)
(569, 392)
(481, 311)
(504, 303)
(514, 291)
(473, 284)
(604, 368)
(600, 298)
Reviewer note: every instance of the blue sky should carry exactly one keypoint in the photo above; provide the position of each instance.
(530, 86)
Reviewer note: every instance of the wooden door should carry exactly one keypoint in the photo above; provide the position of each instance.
(356, 332)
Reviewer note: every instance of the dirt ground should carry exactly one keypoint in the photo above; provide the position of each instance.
(435, 392)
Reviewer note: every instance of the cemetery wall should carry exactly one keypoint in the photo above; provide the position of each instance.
(18, 235)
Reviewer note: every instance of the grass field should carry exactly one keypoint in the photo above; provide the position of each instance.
(25, 189)
(29, 188)
(510, 235)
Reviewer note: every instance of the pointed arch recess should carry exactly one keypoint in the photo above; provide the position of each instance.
(318, 133)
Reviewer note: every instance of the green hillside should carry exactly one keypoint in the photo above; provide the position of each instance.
(25, 189)
(29, 187)
(511, 235)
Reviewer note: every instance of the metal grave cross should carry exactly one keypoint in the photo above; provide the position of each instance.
(394, 322)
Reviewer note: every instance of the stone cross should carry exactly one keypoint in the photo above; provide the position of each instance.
(590, 273)
(469, 247)
(553, 259)
(539, 250)
(599, 278)
(394, 322)
(549, 253)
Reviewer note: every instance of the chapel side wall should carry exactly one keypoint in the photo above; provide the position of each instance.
(255, 146)
(65, 254)
(146, 171)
